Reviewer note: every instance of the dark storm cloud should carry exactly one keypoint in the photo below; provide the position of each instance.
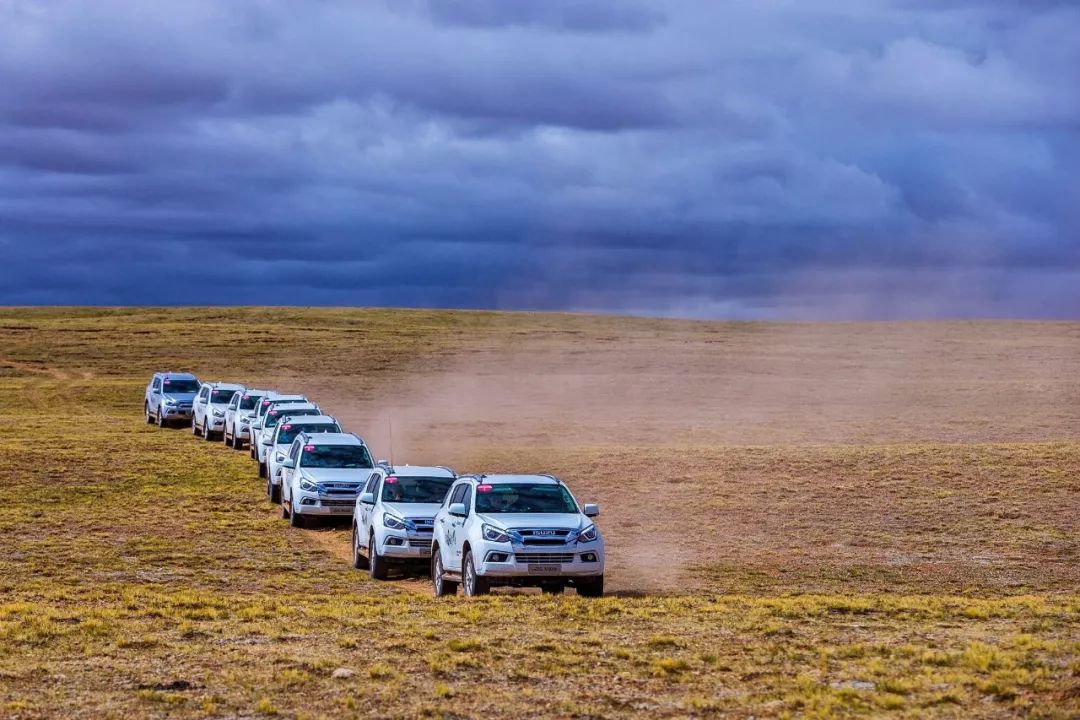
(838, 158)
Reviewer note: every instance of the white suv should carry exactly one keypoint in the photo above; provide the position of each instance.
(208, 409)
(260, 412)
(262, 430)
(238, 416)
(524, 530)
(394, 516)
(287, 430)
(321, 476)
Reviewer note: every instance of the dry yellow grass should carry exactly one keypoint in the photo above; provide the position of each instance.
(848, 551)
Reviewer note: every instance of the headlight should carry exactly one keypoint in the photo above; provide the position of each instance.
(309, 486)
(392, 522)
(245, 420)
(494, 534)
(588, 534)
(219, 413)
(170, 401)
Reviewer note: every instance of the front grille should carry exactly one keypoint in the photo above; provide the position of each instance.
(543, 558)
(424, 543)
(331, 502)
(540, 537)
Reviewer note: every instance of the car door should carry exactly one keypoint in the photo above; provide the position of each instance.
(287, 474)
(454, 527)
(199, 407)
(230, 413)
(367, 512)
(154, 401)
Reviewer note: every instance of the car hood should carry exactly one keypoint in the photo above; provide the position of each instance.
(331, 475)
(412, 510)
(571, 521)
(179, 397)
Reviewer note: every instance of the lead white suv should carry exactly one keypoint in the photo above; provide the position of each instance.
(208, 409)
(287, 430)
(322, 476)
(394, 516)
(524, 530)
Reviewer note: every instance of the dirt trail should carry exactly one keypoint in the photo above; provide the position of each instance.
(714, 386)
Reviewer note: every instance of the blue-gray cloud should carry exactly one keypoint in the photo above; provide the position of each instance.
(838, 158)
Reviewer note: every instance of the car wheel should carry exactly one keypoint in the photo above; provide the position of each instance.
(474, 584)
(552, 588)
(225, 437)
(207, 433)
(377, 565)
(442, 587)
(358, 560)
(590, 587)
(194, 427)
(146, 409)
(160, 418)
(295, 519)
(273, 491)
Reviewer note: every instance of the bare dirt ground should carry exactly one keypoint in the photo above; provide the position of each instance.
(729, 446)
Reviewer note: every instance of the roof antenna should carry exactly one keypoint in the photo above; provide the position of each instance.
(390, 428)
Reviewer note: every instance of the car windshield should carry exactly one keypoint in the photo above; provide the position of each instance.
(523, 498)
(289, 431)
(276, 414)
(179, 385)
(336, 456)
(248, 402)
(415, 489)
(220, 396)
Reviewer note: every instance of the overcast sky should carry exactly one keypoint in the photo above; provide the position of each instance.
(738, 159)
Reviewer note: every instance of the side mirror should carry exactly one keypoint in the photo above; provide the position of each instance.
(257, 425)
(591, 510)
(458, 509)
(289, 463)
(279, 457)
(368, 498)
(266, 441)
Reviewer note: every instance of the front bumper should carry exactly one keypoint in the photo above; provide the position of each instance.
(551, 561)
(176, 412)
(312, 504)
(215, 423)
(401, 545)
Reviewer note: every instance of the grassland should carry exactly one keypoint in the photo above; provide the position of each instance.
(818, 521)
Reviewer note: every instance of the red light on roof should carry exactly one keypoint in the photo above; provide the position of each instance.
(245, 397)
(391, 480)
(166, 381)
(286, 427)
(483, 488)
(309, 448)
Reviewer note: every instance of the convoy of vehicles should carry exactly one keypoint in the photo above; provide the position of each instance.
(476, 531)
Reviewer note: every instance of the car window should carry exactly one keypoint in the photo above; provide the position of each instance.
(234, 402)
(204, 393)
(455, 497)
(295, 449)
(157, 383)
(466, 498)
(371, 483)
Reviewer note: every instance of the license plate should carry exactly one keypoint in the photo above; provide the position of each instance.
(340, 509)
(544, 569)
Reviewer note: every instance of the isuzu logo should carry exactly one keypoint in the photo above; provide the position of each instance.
(545, 532)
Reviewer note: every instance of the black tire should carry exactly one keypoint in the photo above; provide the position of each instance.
(377, 565)
(284, 511)
(474, 584)
(160, 418)
(262, 470)
(194, 427)
(442, 587)
(273, 492)
(295, 519)
(591, 587)
(556, 588)
(146, 409)
(207, 433)
(358, 560)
